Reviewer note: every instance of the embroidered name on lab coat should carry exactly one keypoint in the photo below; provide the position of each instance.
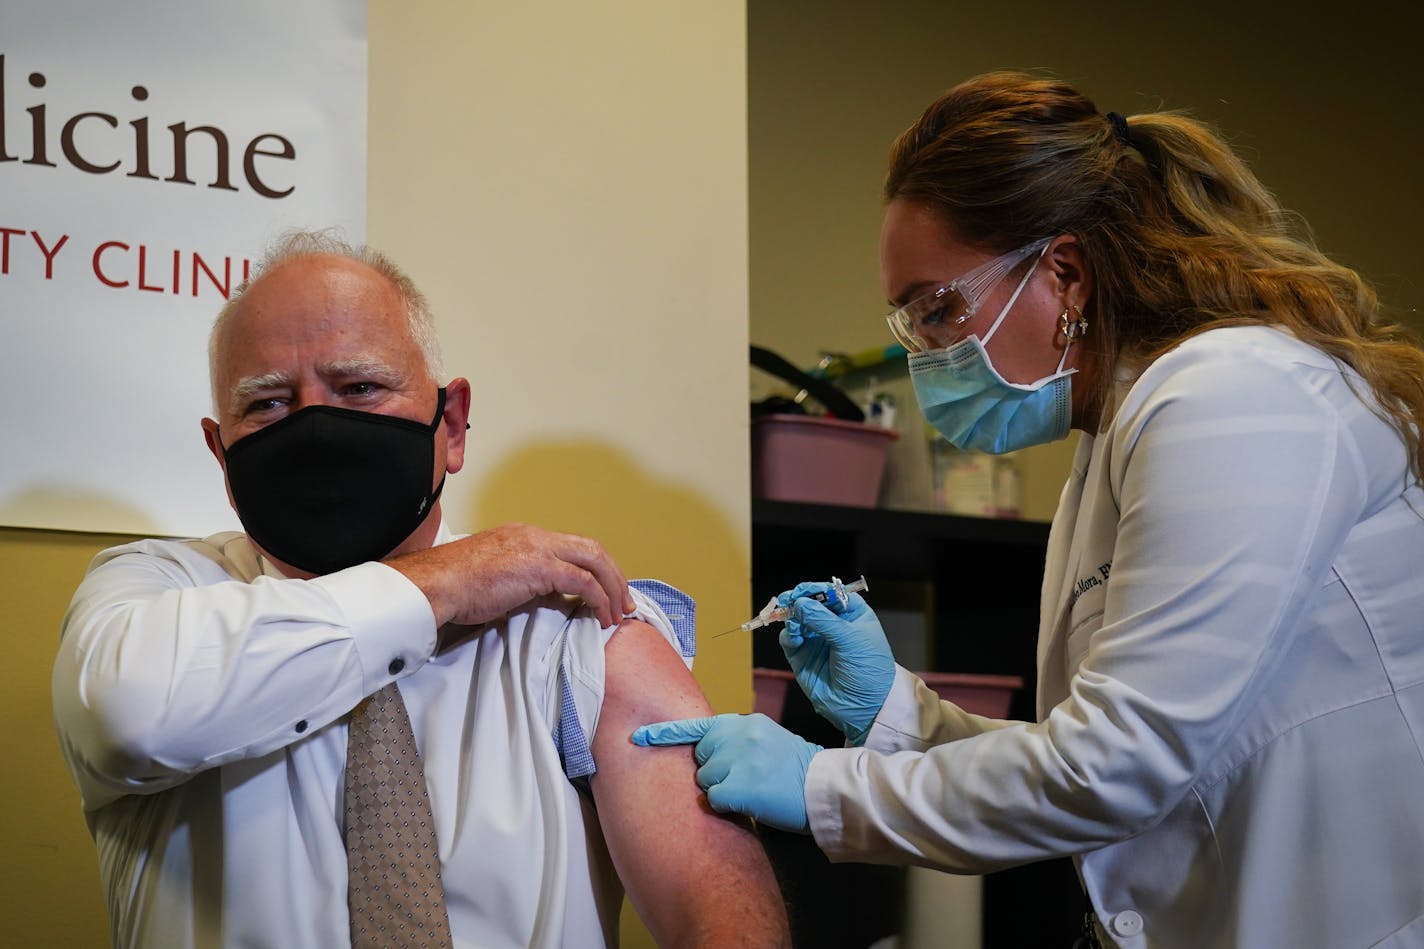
(1085, 584)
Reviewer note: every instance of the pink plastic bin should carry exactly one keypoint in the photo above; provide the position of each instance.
(820, 460)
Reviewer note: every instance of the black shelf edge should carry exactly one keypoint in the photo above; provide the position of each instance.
(835, 517)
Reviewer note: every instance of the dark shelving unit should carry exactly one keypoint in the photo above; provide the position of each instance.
(977, 582)
(976, 579)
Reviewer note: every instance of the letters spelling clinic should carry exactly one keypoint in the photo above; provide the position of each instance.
(159, 273)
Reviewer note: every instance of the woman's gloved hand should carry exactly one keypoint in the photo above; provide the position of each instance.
(747, 764)
(840, 656)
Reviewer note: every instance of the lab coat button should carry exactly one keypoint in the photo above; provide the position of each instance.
(1127, 923)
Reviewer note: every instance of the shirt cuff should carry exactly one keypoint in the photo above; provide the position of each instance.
(390, 621)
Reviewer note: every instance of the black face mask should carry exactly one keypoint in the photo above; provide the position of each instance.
(327, 488)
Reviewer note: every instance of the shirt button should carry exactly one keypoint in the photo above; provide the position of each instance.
(396, 666)
(1127, 923)
(301, 726)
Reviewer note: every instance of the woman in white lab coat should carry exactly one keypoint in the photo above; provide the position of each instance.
(1231, 652)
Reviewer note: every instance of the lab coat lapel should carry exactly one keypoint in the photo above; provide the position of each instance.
(1061, 563)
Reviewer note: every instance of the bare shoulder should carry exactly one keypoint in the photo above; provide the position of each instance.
(645, 678)
(695, 877)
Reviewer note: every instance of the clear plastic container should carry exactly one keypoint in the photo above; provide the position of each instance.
(975, 483)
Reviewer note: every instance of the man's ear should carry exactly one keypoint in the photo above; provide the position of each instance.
(457, 422)
(213, 436)
(1071, 270)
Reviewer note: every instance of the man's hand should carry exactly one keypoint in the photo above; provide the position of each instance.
(748, 765)
(479, 578)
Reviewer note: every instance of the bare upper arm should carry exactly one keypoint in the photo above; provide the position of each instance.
(694, 876)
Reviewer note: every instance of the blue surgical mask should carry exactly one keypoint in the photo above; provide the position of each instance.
(966, 400)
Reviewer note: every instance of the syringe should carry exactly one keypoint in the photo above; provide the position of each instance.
(775, 613)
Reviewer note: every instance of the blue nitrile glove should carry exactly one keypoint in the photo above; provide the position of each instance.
(842, 662)
(747, 764)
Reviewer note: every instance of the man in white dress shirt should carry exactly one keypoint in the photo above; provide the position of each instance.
(203, 687)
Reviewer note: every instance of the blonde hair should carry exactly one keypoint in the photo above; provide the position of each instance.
(295, 244)
(1181, 236)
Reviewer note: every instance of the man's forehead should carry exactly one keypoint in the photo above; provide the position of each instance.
(316, 297)
(319, 311)
(321, 276)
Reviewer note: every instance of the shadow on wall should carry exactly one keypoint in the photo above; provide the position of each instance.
(653, 528)
(28, 509)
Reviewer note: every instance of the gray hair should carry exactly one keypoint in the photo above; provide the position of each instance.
(295, 244)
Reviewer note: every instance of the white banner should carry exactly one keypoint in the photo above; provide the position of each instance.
(149, 150)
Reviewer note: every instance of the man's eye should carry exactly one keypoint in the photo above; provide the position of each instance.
(363, 388)
(259, 406)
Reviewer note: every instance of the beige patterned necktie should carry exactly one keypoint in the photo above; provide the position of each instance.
(393, 865)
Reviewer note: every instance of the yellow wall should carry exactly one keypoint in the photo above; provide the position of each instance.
(49, 891)
(567, 182)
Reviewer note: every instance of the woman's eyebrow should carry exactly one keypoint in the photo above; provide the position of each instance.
(912, 291)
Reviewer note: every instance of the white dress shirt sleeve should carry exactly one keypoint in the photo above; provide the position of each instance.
(1234, 482)
(168, 666)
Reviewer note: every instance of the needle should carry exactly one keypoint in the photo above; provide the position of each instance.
(774, 613)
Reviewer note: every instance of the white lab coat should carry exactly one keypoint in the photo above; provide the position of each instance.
(1231, 677)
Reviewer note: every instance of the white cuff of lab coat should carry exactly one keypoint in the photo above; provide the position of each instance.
(900, 725)
(826, 777)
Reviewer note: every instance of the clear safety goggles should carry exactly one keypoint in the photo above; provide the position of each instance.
(929, 321)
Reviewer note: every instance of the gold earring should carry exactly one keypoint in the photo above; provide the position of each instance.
(1072, 330)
